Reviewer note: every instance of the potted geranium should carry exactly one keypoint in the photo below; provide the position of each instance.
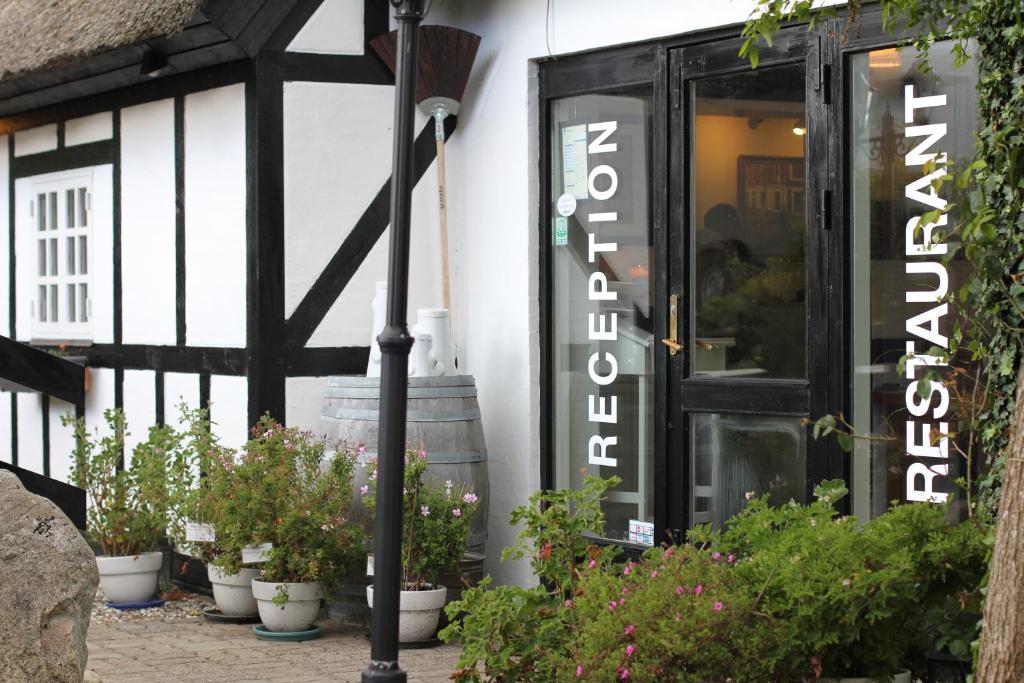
(128, 506)
(436, 522)
(289, 497)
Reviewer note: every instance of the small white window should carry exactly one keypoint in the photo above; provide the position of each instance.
(62, 218)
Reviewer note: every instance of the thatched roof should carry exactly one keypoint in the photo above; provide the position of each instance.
(40, 34)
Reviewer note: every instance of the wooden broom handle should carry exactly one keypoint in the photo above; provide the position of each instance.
(443, 205)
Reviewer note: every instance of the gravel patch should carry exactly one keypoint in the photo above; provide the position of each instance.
(179, 605)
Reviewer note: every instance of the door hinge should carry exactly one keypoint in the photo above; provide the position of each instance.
(825, 209)
(825, 74)
(676, 99)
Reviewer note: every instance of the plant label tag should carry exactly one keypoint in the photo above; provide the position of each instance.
(641, 532)
(561, 237)
(257, 553)
(200, 533)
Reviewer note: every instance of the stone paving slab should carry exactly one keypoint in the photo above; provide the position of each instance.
(197, 650)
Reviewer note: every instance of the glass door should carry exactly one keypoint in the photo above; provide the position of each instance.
(749, 345)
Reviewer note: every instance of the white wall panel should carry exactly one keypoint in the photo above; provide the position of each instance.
(30, 431)
(304, 397)
(148, 223)
(86, 129)
(35, 140)
(215, 186)
(24, 281)
(99, 399)
(335, 28)
(139, 406)
(5, 427)
(102, 258)
(62, 440)
(229, 409)
(5, 244)
(179, 387)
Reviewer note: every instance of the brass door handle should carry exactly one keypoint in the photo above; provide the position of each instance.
(672, 342)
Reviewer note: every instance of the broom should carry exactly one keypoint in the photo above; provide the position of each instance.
(446, 57)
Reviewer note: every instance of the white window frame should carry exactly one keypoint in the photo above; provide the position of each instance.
(62, 257)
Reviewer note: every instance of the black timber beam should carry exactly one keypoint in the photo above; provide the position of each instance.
(25, 368)
(70, 499)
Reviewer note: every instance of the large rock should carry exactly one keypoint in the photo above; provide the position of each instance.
(48, 580)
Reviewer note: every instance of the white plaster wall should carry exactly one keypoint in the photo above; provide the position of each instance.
(493, 206)
(148, 224)
(92, 128)
(5, 244)
(335, 28)
(179, 387)
(62, 440)
(23, 274)
(99, 398)
(101, 260)
(35, 140)
(303, 399)
(5, 427)
(229, 409)
(139, 407)
(337, 152)
(215, 186)
(30, 431)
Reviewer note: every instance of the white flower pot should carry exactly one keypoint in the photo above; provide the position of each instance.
(298, 614)
(899, 677)
(130, 578)
(233, 592)
(418, 613)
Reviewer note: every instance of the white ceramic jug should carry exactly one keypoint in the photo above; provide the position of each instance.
(380, 312)
(434, 321)
(421, 360)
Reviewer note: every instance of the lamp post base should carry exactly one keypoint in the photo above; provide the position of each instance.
(384, 672)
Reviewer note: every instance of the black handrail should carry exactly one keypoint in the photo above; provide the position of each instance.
(70, 499)
(23, 367)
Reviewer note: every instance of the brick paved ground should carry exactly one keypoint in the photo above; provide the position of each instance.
(196, 650)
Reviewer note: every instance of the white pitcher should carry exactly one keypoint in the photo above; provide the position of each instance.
(434, 321)
(380, 313)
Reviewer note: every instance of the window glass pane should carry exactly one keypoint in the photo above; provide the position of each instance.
(41, 244)
(70, 208)
(900, 276)
(83, 302)
(602, 334)
(72, 312)
(82, 205)
(42, 304)
(732, 455)
(747, 224)
(54, 304)
(53, 256)
(52, 211)
(71, 255)
(83, 253)
(41, 211)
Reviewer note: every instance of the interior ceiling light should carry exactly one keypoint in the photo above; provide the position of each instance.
(799, 128)
(889, 58)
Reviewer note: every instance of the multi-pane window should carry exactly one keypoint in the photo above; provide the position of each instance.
(62, 220)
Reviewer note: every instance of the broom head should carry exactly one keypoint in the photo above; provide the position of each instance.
(446, 57)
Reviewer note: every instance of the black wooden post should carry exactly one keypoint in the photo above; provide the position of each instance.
(395, 344)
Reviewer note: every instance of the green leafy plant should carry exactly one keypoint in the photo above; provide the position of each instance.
(436, 521)
(286, 489)
(128, 506)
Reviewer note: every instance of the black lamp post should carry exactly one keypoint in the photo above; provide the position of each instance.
(395, 344)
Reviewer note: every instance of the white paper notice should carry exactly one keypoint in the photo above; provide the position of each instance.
(574, 160)
(200, 533)
(256, 553)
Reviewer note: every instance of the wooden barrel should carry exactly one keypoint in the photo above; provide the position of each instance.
(443, 418)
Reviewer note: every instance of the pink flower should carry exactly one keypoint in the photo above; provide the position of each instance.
(680, 590)
(579, 670)
(678, 618)
(457, 512)
(716, 555)
(592, 564)
(625, 591)
(622, 601)
(424, 510)
(698, 590)
(626, 570)
(423, 453)
(568, 604)
(630, 649)
(361, 450)
(731, 558)
(654, 574)
(629, 629)
(470, 498)
(718, 606)
(623, 674)
(612, 605)
(364, 489)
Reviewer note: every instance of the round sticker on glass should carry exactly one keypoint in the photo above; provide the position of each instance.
(566, 205)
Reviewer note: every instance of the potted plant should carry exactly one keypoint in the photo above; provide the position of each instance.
(128, 511)
(197, 516)
(435, 526)
(290, 497)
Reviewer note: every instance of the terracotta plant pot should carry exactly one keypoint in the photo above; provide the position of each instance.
(419, 612)
(130, 578)
(233, 592)
(298, 614)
